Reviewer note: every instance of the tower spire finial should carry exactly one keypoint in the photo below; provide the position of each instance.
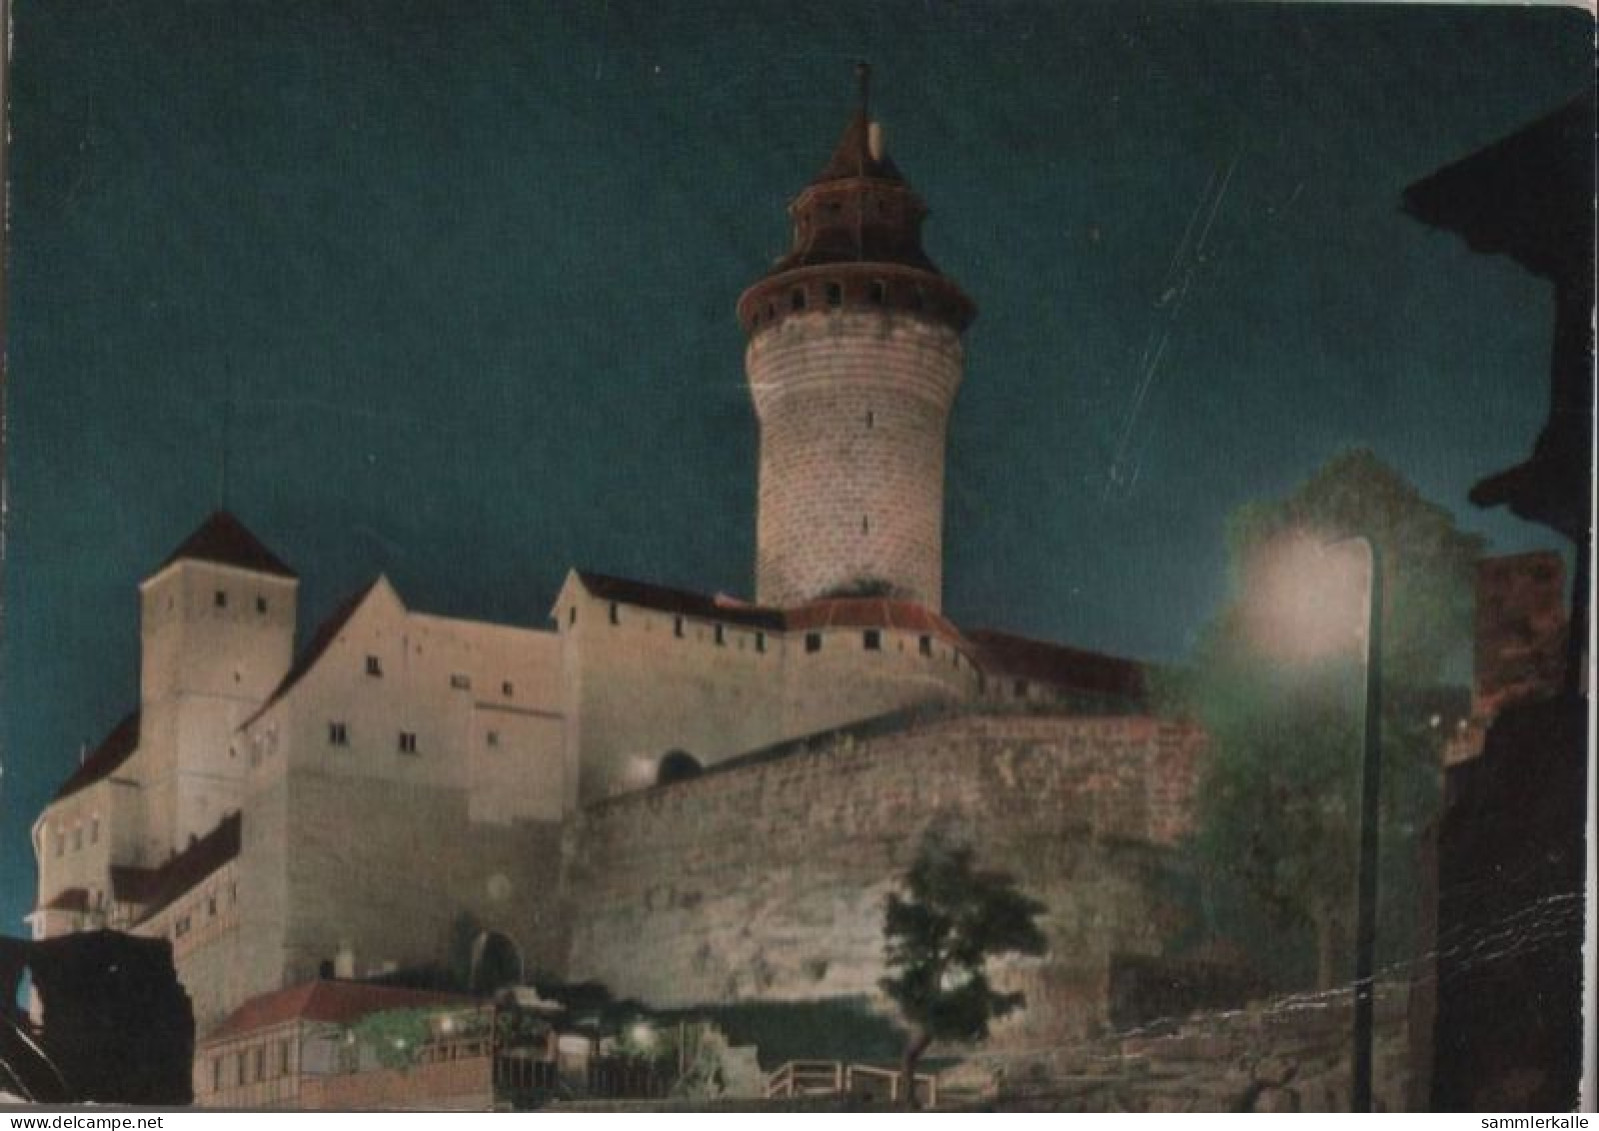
(863, 79)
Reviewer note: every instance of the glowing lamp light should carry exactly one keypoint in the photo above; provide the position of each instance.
(1308, 597)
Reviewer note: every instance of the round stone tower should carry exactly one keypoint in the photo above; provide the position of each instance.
(854, 357)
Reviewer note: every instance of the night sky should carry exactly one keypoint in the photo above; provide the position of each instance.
(466, 272)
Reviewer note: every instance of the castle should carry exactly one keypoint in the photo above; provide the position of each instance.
(690, 798)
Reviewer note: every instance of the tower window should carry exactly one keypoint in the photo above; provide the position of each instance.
(77, 837)
(813, 641)
(260, 604)
(220, 598)
(492, 738)
(677, 627)
(796, 299)
(925, 644)
(338, 734)
(872, 640)
(866, 525)
(507, 689)
(374, 666)
(760, 641)
(615, 613)
(879, 292)
(407, 742)
(571, 615)
(1020, 689)
(461, 682)
(835, 294)
(94, 831)
(721, 635)
(871, 418)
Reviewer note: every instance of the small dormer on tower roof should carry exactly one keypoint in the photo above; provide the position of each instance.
(224, 540)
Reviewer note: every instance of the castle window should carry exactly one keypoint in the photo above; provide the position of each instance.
(866, 525)
(407, 742)
(871, 418)
(220, 599)
(492, 738)
(879, 292)
(507, 689)
(677, 627)
(571, 615)
(241, 1069)
(283, 1058)
(721, 635)
(211, 907)
(77, 837)
(1021, 689)
(94, 831)
(760, 641)
(374, 666)
(925, 645)
(61, 843)
(982, 683)
(835, 294)
(260, 1062)
(813, 641)
(338, 734)
(796, 298)
(461, 682)
(216, 1074)
(872, 640)
(260, 604)
(616, 616)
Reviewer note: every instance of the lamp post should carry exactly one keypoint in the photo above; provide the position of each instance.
(1370, 793)
(1305, 608)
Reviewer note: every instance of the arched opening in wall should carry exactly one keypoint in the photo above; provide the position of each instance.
(496, 962)
(677, 765)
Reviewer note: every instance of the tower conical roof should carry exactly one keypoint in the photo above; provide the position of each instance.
(225, 540)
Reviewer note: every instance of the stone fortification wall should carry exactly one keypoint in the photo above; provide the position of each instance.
(766, 878)
(1291, 1054)
(384, 872)
(853, 407)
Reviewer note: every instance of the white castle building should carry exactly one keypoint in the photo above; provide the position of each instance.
(281, 816)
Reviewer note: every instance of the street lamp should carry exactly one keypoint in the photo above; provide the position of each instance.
(1300, 607)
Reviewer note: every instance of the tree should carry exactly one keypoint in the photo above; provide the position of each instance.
(1278, 808)
(938, 940)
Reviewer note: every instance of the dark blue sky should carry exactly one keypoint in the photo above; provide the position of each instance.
(468, 270)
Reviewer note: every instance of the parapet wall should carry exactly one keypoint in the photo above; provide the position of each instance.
(765, 878)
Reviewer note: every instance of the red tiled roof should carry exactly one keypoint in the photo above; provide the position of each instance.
(679, 601)
(154, 888)
(333, 1002)
(223, 539)
(872, 612)
(114, 749)
(1072, 669)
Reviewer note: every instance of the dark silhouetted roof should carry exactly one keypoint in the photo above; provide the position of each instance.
(679, 601)
(73, 899)
(154, 888)
(113, 750)
(327, 1001)
(1071, 669)
(853, 156)
(225, 540)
